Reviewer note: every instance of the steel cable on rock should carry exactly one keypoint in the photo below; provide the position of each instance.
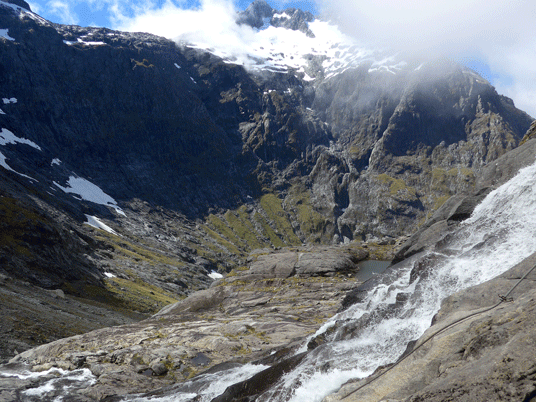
(503, 299)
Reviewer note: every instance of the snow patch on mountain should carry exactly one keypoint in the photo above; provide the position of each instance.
(7, 137)
(215, 275)
(4, 34)
(282, 15)
(261, 38)
(89, 192)
(21, 11)
(83, 42)
(283, 50)
(97, 223)
(7, 167)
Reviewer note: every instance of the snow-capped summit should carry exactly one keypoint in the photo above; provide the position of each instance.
(22, 9)
(291, 40)
(260, 15)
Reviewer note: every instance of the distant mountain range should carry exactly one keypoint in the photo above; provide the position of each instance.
(134, 167)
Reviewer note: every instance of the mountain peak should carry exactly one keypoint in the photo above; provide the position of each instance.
(260, 14)
(255, 14)
(295, 19)
(20, 3)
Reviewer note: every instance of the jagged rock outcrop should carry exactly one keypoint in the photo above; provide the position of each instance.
(461, 206)
(400, 142)
(295, 19)
(254, 14)
(482, 357)
(259, 13)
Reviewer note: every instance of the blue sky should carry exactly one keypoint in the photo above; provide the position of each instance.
(101, 12)
(494, 37)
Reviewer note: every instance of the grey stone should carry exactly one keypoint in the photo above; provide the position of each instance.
(268, 313)
(159, 369)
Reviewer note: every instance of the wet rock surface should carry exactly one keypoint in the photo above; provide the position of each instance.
(483, 358)
(460, 207)
(240, 318)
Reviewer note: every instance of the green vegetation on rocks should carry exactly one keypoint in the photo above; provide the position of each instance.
(15, 222)
(312, 223)
(272, 205)
(397, 187)
(135, 251)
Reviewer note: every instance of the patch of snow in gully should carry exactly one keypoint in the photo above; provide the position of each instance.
(7, 167)
(215, 275)
(4, 34)
(89, 192)
(97, 223)
(7, 137)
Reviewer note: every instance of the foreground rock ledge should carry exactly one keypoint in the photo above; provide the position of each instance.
(276, 302)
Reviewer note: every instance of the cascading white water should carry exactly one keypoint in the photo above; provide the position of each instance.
(205, 387)
(500, 234)
(51, 385)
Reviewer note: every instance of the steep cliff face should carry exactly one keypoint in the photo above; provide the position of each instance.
(180, 128)
(475, 348)
(160, 163)
(410, 144)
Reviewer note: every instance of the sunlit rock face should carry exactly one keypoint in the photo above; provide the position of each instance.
(378, 140)
(162, 162)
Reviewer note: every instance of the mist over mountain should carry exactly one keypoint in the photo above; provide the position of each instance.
(137, 170)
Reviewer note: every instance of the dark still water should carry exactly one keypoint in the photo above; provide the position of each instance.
(368, 268)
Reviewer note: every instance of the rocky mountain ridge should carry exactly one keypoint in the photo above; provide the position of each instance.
(270, 307)
(191, 162)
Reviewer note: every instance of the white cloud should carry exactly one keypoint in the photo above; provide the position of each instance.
(211, 26)
(212, 19)
(518, 63)
(64, 10)
(495, 31)
(36, 8)
(498, 31)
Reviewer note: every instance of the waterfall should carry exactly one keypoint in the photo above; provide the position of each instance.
(374, 332)
(500, 233)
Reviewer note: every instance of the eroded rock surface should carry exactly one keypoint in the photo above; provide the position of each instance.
(460, 207)
(248, 314)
